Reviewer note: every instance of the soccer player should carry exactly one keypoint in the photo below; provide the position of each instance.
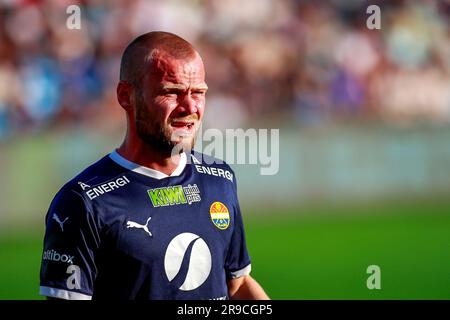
(152, 219)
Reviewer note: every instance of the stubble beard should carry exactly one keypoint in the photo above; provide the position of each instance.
(158, 136)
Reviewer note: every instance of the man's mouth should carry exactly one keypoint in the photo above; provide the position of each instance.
(183, 124)
(183, 128)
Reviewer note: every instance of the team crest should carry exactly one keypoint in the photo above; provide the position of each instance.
(219, 215)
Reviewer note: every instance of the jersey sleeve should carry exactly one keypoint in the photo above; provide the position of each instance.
(237, 263)
(71, 240)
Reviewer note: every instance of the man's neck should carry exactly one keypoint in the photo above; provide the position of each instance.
(145, 155)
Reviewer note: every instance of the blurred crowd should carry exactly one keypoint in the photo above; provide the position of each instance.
(307, 63)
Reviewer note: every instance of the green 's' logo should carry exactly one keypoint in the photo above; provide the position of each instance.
(174, 195)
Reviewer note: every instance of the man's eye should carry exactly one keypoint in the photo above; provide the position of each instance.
(170, 94)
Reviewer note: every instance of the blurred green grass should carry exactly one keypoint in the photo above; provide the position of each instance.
(316, 252)
(320, 255)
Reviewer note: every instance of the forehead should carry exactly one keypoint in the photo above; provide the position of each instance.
(165, 69)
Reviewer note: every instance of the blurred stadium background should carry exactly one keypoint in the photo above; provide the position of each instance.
(364, 119)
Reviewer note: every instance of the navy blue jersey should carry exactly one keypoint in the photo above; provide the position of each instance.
(122, 231)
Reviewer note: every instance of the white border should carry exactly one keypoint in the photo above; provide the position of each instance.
(62, 294)
(152, 173)
(243, 272)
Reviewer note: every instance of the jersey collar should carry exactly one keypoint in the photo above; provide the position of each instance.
(152, 173)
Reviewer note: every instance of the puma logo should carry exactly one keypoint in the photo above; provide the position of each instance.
(61, 223)
(132, 224)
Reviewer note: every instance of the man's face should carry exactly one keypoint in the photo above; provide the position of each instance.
(171, 102)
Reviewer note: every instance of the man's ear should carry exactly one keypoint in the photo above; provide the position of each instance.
(125, 95)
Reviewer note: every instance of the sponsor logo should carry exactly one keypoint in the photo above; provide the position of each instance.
(220, 215)
(132, 224)
(174, 195)
(212, 171)
(52, 255)
(61, 223)
(83, 186)
(199, 261)
(107, 187)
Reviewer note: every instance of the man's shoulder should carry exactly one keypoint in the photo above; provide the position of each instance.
(74, 197)
(207, 160)
(210, 165)
(97, 173)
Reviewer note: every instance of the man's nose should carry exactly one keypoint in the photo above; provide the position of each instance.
(188, 105)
